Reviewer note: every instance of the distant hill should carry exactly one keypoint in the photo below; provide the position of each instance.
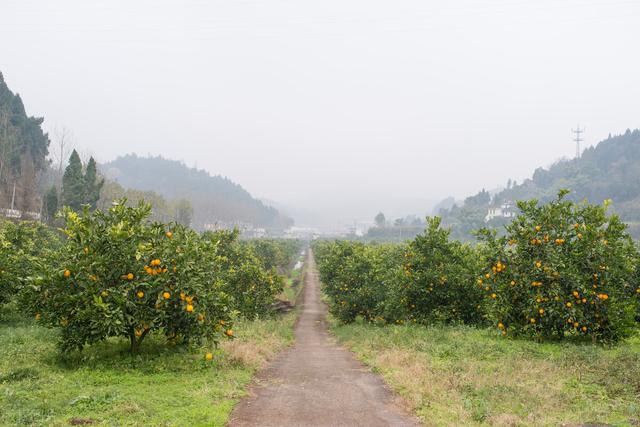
(610, 170)
(214, 198)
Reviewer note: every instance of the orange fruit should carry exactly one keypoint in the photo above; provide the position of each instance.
(166, 295)
(130, 276)
(169, 234)
(67, 273)
(140, 294)
(189, 308)
(229, 332)
(208, 357)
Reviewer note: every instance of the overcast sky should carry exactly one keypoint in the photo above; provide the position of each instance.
(314, 103)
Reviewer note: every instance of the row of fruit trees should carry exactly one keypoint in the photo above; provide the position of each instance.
(559, 269)
(117, 274)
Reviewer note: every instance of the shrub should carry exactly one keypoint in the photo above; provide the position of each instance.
(252, 287)
(357, 277)
(118, 275)
(439, 275)
(23, 246)
(562, 269)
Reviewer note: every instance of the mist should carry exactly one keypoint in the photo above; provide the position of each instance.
(334, 110)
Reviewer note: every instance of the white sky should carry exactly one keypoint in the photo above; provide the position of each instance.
(319, 103)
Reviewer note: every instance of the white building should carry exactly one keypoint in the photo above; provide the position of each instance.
(504, 210)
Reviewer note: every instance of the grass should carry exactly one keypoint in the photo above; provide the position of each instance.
(103, 385)
(292, 286)
(453, 376)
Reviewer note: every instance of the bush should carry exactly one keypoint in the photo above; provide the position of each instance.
(253, 288)
(429, 280)
(439, 283)
(23, 246)
(562, 269)
(358, 277)
(277, 254)
(118, 275)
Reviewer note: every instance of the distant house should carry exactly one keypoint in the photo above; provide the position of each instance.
(231, 225)
(504, 210)
(16, 214)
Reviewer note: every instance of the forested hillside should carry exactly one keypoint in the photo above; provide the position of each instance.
(23, 152)
(610, 170)
(213, 198)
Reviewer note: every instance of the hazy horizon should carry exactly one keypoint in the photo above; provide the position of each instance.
(330, 107)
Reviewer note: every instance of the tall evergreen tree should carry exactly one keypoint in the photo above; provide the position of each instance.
(51, 203)
(23, 152)
(92, 184)
(73, 183)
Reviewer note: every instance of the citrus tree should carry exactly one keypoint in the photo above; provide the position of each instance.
(23, 246)
(119, 275)
(561, 269)
(252, 287)
(276, 253)
(358, 277)
(439, 279)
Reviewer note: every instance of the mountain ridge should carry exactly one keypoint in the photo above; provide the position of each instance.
(215, 199)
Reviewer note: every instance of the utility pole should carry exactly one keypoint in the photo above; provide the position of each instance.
(13, 197)
(578, 139)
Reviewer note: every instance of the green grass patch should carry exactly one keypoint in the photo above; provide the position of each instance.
(292, 286)
(103, 385)
(459, 375)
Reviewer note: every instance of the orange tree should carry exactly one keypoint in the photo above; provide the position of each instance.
(357, 277)
(118, 275)
(439, 279)
(276, 253)
(23, 246)
(252, 287)
(561, 269)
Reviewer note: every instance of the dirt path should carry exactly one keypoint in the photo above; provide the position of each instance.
(316, 383)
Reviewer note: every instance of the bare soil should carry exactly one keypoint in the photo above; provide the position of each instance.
(316, 382)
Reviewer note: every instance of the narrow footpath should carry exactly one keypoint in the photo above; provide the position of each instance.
(317, 383)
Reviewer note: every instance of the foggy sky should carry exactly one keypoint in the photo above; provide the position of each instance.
(317, 103)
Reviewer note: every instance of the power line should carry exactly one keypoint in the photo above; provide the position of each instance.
(578, 139)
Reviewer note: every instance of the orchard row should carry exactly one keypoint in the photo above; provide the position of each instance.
(116, 274)
(560, 269)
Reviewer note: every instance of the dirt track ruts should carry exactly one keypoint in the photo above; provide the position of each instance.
(316, 382)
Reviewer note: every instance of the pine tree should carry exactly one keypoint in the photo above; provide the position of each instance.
(73, 183)
(51, 203)
(93, 185)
